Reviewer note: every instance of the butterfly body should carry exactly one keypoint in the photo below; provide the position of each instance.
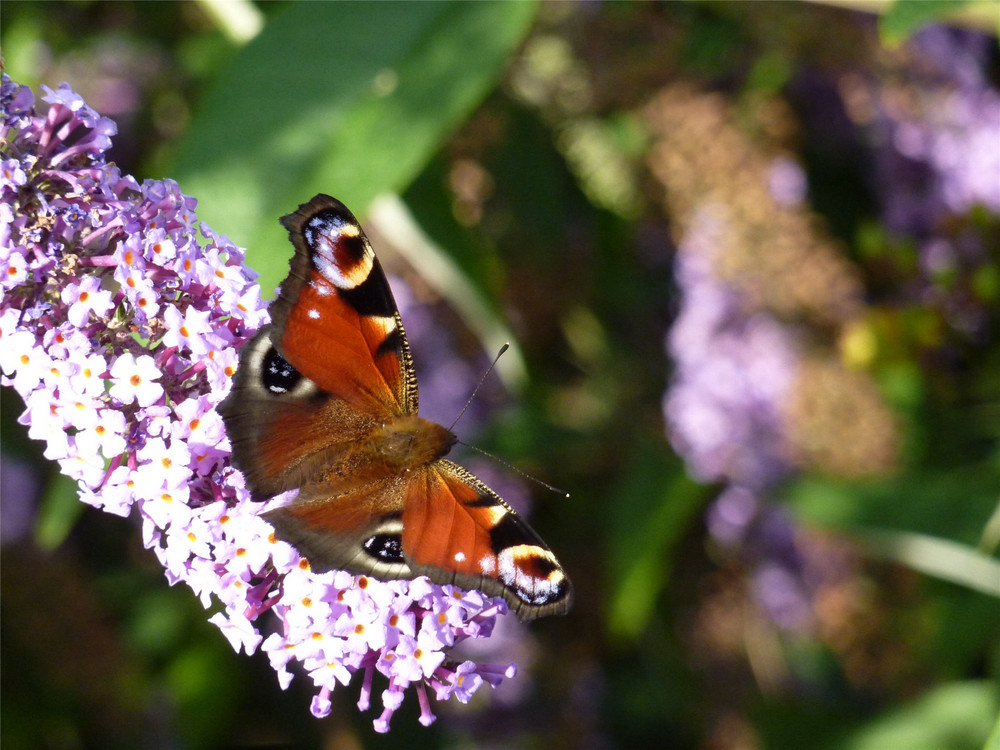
(325, 401)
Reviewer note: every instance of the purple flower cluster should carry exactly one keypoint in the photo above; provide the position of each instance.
(940, 132)
(935, 124)
(735, 368)
(120, 328)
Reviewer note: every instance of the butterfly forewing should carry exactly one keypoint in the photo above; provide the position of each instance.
(335, 320)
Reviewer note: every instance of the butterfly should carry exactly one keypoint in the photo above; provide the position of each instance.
(325, 400)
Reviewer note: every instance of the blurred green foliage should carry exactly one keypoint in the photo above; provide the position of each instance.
(359, 108)
(478, 115)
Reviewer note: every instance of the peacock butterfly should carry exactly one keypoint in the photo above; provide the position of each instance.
(325, 400)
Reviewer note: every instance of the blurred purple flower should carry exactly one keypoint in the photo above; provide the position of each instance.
(734, 368)
(936, 135)
(940, 151)
(119, 327)
(733, 371)
(787, 182)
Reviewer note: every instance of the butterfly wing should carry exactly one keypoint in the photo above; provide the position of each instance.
(457, 530)
(335, 320)
(333, 363)
(283, 429)
(359, 531)
(442, 522)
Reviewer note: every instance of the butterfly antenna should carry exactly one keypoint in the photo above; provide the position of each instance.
(516, 470)
(479, 385)
(499, 460)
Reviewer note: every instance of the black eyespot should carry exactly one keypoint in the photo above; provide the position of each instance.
(387, 548)
(277, 375)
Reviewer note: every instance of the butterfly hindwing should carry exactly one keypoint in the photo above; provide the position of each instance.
(457, 530)
(442, 522)
(360, 531)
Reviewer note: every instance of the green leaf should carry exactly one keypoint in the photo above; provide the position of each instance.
(654, 508)
(59, 510)
(993, 741)
(936, 522)
(905, 17)
(350, 99)
(953, 716)
(941, 558)
(953, 503)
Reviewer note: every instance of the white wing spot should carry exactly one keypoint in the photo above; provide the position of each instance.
(527, 587)
(313, 313)
(459, 557)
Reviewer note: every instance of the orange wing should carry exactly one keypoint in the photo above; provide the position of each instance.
(335, 320)
(333, 364)
(457, 530)
(441, 522)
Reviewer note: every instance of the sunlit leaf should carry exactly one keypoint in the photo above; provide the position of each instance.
(993, 741)
(906, 17)
(318, 102)
(951, 717)
(654, 506)
(941, 558)
(58, 512)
